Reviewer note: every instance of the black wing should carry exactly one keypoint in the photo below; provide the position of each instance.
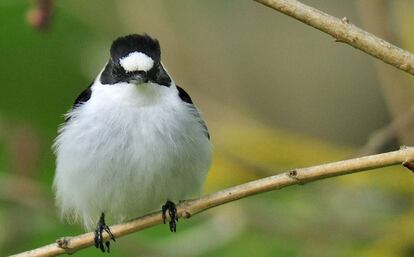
(82, 98)
(186, 98)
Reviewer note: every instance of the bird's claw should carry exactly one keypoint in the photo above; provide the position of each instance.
(100, 228)
(172, 212)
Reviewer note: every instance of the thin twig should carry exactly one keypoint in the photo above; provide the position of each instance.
(380, 138)
(377, 17)
(344, 31)
(40, 16)
(192, 207)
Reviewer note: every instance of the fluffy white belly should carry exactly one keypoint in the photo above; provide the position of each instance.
(124, 156)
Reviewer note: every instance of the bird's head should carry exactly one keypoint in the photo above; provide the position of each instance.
(135, 59)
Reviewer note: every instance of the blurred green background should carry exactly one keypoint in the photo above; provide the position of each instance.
(276, 95)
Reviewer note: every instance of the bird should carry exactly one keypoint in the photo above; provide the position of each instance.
(133, 142)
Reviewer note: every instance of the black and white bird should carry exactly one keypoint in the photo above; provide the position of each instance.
(132, 143)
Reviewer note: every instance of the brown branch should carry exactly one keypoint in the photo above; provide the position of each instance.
(343, 31)
(376, 16)
(192, 207)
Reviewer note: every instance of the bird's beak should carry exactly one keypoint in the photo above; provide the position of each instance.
(139, 79)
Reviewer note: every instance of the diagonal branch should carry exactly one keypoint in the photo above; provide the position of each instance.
(343, 31)
(380, 138)
(192, 207)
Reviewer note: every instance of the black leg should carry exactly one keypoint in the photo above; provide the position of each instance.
(172, 212)
(100, 228)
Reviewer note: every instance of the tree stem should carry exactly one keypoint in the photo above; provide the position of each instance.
(344, 31)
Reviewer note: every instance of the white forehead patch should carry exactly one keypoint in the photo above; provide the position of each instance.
(136, 61)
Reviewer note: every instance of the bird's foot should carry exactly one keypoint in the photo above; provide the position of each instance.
(172, 212)
(100, 228)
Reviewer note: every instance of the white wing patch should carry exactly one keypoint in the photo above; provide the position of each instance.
(136, 61)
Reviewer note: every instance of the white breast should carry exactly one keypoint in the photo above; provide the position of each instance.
(128, 150)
